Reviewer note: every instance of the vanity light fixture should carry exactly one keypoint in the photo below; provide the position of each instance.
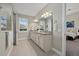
(35, 20)
(42, 15)
(46, 14)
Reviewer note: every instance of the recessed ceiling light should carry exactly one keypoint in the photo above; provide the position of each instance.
(35, 20)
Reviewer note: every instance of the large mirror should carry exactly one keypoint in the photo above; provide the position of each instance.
(45, 23)
(42, 25)
(5, 22)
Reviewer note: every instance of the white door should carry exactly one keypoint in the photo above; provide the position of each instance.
(41, 41)
(63, 29)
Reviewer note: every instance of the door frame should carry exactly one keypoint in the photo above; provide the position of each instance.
(63, 29)
(14, 29)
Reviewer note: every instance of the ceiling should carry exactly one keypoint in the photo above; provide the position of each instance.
(30, 9)
(72, 8)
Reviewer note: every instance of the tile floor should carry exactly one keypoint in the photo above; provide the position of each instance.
(29, 48)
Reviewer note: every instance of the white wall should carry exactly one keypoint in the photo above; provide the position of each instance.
(6, 8)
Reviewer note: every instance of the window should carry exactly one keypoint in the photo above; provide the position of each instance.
(23, 24)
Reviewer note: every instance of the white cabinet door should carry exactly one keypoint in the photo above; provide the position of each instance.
(32, 36)
(41, 41)
(45, 42)
(37, 39)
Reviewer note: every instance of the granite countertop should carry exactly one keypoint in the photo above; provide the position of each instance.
(42, 32)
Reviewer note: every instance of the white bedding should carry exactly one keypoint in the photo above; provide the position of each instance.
(72, 48)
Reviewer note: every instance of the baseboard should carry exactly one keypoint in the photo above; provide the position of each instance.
(56, 51)
(22, 39)
(10, 51)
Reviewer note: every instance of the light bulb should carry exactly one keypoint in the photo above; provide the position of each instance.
(35, 20)
(42, 15)
(50, 14)
(47, 13)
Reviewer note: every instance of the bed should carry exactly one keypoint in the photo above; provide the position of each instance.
(72, 47)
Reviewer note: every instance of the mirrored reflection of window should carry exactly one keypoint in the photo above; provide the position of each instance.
(48, 24)
(3, 20)
(23, 22)
(42, 25)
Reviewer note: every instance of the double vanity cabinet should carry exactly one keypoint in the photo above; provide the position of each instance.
(42, 39)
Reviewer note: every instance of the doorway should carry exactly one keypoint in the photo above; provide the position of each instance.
(72, 27)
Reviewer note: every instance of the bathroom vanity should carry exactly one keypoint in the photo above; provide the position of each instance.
(42, 39)
(42, 36)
